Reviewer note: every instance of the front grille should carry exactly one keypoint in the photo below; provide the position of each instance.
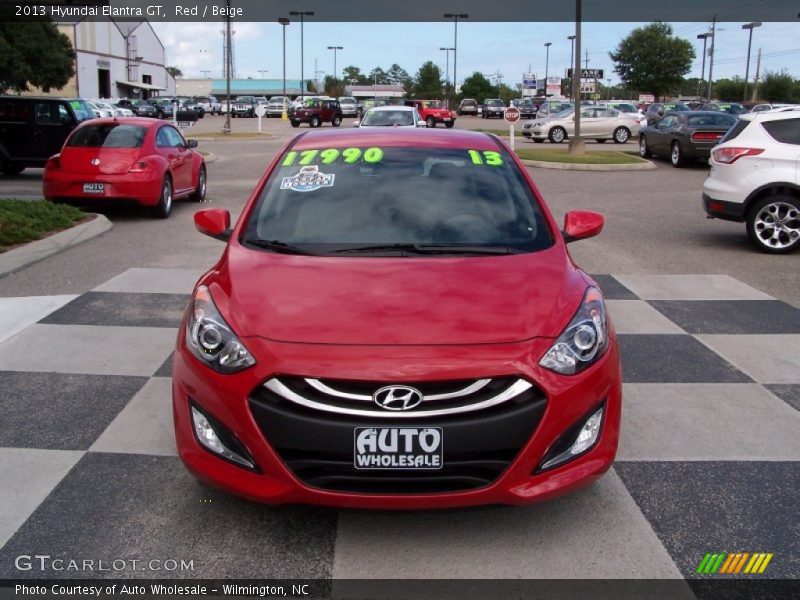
(478, 445)
(356, 397)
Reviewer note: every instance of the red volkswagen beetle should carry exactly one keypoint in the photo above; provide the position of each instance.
(396, 323)
(133, 159)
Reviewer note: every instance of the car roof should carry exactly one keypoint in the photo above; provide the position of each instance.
(410, 137)
(771, 115)
(393, 107)
(143, 121)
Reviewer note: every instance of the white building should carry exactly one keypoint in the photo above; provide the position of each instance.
(115, 59)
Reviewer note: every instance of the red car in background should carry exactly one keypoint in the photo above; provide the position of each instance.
(433, 112)
(105, 161)
(396, 323)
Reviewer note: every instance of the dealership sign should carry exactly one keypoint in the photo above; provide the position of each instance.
(588, 73)
(529, 81)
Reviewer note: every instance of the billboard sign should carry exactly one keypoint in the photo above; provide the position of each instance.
(588, 73)
(529, 81)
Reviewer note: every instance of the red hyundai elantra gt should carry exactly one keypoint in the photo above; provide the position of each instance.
(396, 323)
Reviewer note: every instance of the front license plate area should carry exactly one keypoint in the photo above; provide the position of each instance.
(398, 448)
(94, 188)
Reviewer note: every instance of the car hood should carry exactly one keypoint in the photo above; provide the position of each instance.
(396, 301)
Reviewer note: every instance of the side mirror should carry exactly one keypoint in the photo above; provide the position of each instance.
(191, 143)
(214, 222)
(581, 224)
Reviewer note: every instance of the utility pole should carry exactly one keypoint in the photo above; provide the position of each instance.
(228, 65)
(758, 69)
(335, 72)
(301, 14)
(711, 59)
(447, 52)
(704, 37)
(284, 22)
(576, 144)
(749, 26)
(546, 65)
(571, 39)
(455, 18)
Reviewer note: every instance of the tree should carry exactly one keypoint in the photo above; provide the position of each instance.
(378, 76)
(778, 87)
(397, 75)
(311, 86)
(506, 93)
(33, 54)
(478, 87)
(652, 59)
(175, 72)
(693, 86)
(333, 87)
(428, 82)
(353, 73)
(729, 89)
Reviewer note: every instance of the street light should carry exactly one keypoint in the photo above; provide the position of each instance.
(749, 26)
(608, 90)
(335, 48)
(447, 73)
(571, 39)
(704, 37)
(284, 22)
(301, 14)
(546, 66)
(455, 18)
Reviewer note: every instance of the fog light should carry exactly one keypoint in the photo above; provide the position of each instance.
(208, 438)
(578, 444)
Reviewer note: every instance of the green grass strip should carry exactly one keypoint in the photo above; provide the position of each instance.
(599, 157)
(24, 221)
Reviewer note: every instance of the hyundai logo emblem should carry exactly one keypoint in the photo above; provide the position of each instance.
(397, 397)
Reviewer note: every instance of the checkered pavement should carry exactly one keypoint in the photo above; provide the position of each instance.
(708, 460)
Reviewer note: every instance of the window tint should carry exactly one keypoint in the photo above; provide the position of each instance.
(786, 131)
(721, 119)
(388, 118)
(175, 139)
(108, 136)
(13, 111)
(734, 131)
(668, 122)
(400, 196)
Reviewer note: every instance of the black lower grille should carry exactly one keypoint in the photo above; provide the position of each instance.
(318, 447)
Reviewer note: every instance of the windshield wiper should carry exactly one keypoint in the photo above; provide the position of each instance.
(432, 249)
(278, 246)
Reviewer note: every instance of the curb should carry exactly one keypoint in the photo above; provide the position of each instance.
(32, 252)
(645, 166)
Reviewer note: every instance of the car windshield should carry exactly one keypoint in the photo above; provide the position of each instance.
(626, 108)
(709, 120)
(398, 199)
(494, 103)
(346, 101)
(244, 99)
(111, 135)
(468, 102)
(81, 109)
(434, 104)
(388, 118)
(675, 107)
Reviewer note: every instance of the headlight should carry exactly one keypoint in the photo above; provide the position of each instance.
(583, 341)
(211, 339)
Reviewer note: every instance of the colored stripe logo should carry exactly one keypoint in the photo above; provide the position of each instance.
(735, 563)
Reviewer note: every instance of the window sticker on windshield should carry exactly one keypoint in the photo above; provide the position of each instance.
(75, 104)
(331, 155)
(487, 157)
(307, 180)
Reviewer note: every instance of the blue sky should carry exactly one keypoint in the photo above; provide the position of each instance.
(509, 48)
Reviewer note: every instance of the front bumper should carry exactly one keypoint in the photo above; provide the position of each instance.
(277, 436)
(142, 188)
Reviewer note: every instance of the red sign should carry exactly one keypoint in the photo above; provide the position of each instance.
(511, 115)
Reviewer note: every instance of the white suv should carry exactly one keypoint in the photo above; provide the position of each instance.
(755, 178)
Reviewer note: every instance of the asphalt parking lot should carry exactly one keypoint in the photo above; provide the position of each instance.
(708, 462)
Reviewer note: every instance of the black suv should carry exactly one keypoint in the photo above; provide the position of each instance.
(244, 106)
(315, 112)
(33, 129)
(141, 108)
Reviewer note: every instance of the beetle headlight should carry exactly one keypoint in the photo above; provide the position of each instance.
(583, 341)
(211, 339)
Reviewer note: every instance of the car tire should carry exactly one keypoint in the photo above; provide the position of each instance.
(314, 122)
(163, 209)
(430, 122)
(644, 149)
(761, 224)
(199, 193)
(676, 155)
(450, 124)
(557, 135)
(336, 121)
(295, 123)
(622, 135)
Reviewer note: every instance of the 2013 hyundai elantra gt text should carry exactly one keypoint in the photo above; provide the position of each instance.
(395, 322)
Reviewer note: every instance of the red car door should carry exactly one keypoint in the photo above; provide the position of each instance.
(171, 145)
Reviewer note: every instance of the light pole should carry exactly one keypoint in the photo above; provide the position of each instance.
(576, 144)
(301, 14)
(447, 73)
(704, 37)
(546, 66)
(749, 26)
(571, 39)
(228, 64)
(284, 22)
(335, 72)
(455, 17)
(711, 60)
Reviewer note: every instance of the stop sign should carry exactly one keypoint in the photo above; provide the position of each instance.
(511, 115)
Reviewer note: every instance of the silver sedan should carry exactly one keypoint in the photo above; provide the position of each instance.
(597, 123)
